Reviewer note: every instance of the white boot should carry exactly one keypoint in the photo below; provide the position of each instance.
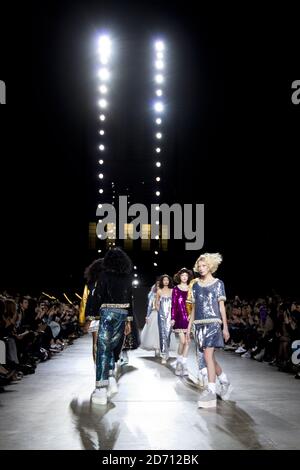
(112, 386)
(99, 396)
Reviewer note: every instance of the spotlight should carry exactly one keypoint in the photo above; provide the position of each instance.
(159, 46)
(101, 162)
(158, 135)
(99, 236)
(101, 132)
(160, 55)
(134, 267)
(135, 275)
(154, 264)
(103, 103)
(156, 237)
(159, 64)
(104, 74)
(157, 222)
(101, 147)
(99, 205)
(99, 251)
(156, 252)
(101, 176)
(102, 117)
(101, 191)
(158, 164)
(103, 89)
(158, 121)
(159, 107)
(104, 45)
(158, 149)
(157, 193)
(135, 282)
(159, 78)
(157, 178)
(159, 92)
(157, 208)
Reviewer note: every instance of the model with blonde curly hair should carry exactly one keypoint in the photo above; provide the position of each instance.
(208, 314)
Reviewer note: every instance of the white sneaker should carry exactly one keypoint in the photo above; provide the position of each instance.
(202, 379)
(247, 354)
(112, 386)
(157, 353)
(99, 396)
(185, 371)
(240, 350)
(207, 399)
(164, 360)
(225, 391)
(178, 369)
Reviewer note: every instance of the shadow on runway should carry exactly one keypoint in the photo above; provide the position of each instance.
(95, 430)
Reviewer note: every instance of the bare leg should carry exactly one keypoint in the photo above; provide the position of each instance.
(218, 368)
(181, 344)
(210, 362)
(185, 347)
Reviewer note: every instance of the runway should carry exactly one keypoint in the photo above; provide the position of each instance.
(154, 409)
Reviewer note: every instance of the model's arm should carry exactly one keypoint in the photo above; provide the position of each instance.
(224, 320)
(191, 320)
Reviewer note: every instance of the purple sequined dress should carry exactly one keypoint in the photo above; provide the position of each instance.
(179, 312)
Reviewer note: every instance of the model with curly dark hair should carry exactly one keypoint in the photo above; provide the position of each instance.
(180, 319)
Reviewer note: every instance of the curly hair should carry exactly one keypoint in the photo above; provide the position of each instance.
(116, 260)
(91, 273)
(176, 276)
(213, 260)
(161, 284)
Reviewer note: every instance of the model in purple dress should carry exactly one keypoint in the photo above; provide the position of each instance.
(180, 318)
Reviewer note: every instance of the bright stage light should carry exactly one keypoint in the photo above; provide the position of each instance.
(135, 275)
(101, 191)
(99, 205)
(99, 251)
(159, 78)
(157, 193)
(157, 150)
(157, 178)
(156, 252)
(104, 74)
(104, 48)
(158, 135)
(102, 117)
(101, 162)
(158, 106)
(135, 282)
(101, 147)
(154, 264)
(159, 46)
(101, 176)
(159, 55)
(99, 236)
(158, 121)
(102, 103)
(158, 164)
(159, 64)
(134, 267)
(159, 92)
(157, 208)
(101, 132)
(157, 222)
(103, 89)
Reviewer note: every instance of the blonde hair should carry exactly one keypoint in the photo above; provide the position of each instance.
(213, 260)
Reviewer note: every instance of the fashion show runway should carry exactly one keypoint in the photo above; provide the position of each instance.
(154, 409)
